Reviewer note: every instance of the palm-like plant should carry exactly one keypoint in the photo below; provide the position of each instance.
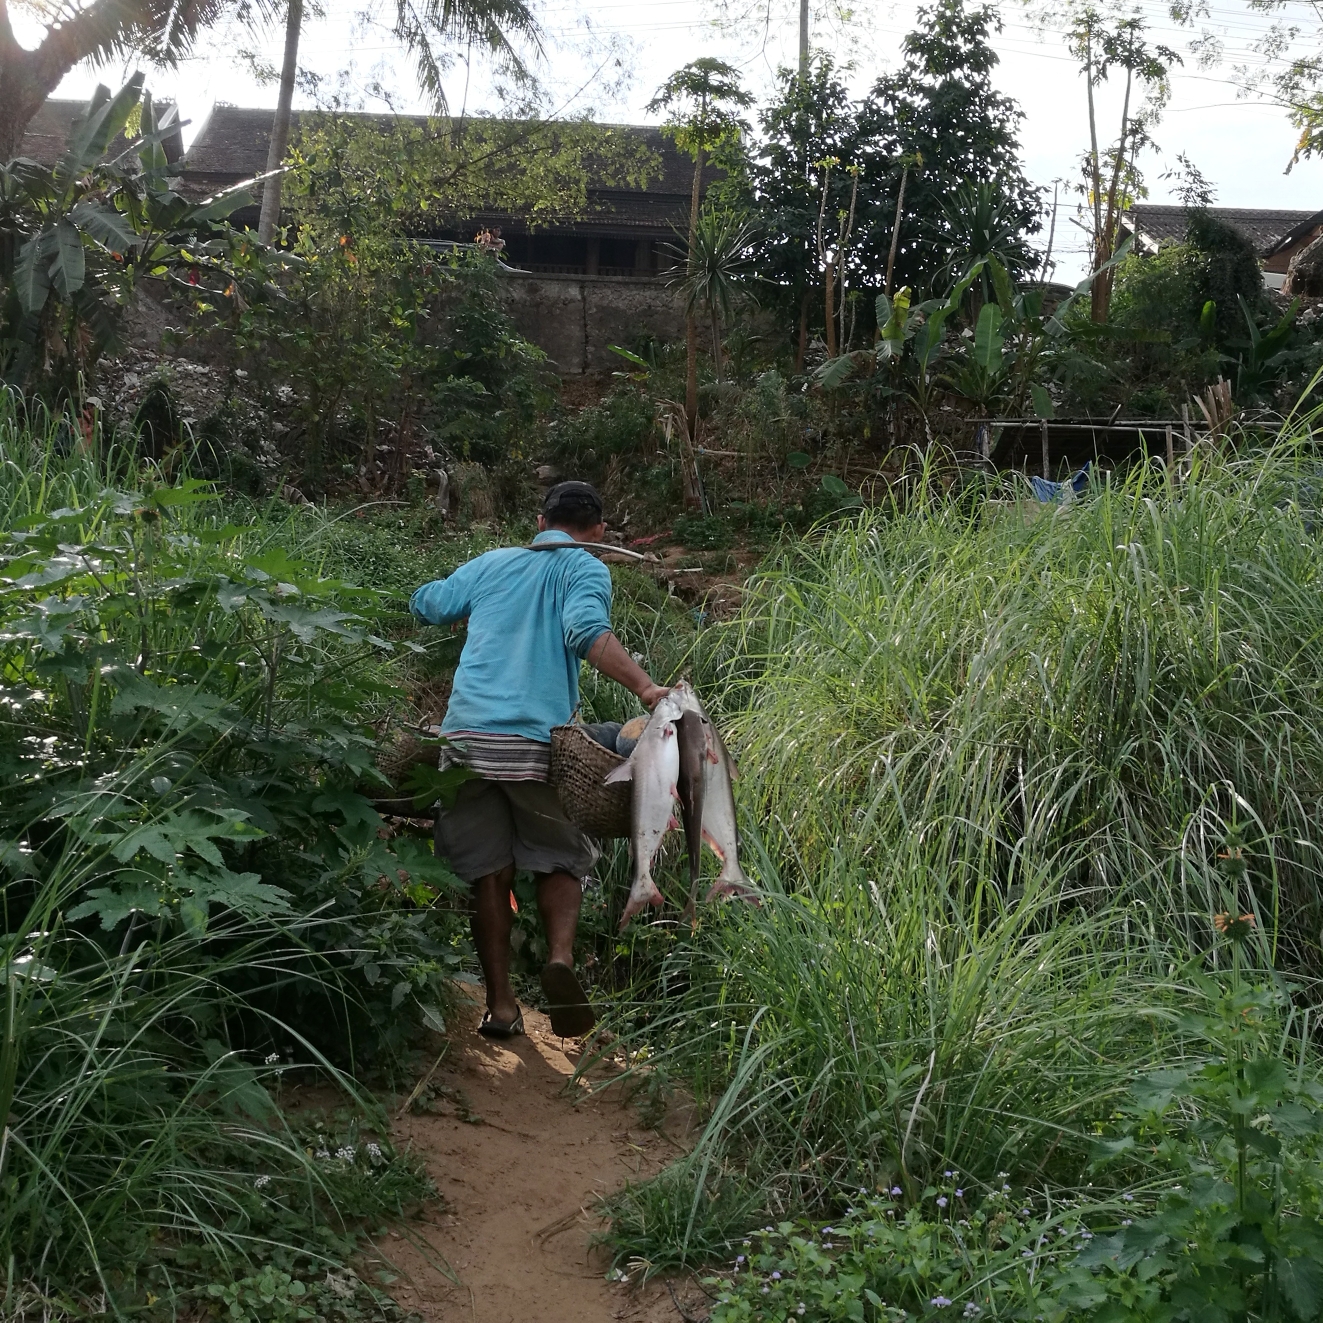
(984, 225)
(714, 269)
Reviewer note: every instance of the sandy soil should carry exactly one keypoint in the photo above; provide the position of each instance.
(521, 1158)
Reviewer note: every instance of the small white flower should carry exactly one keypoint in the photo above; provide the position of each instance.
(345, 1154)
(374, 1151)
(273, 1058)
(260, 1181)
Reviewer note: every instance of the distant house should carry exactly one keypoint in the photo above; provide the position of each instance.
(622, 234)
(1275, 235)
(576, 287)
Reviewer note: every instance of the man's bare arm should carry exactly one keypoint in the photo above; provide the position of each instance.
(608, 655)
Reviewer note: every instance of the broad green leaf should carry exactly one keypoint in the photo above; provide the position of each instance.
(107, 226)
(797, 459)
(245, 893)
(237, 1086)
(988, 339)
(629, 357)
(1043, 406)
(32, 281)
(834, 371)
(95, 129)
(351, 806)
(69, 269)
(1001, 285)
(427, 784)
(832, 484)
(1301, 1282)
(112, 905)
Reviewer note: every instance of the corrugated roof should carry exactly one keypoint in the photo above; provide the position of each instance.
(232, 144)
(1263, 227)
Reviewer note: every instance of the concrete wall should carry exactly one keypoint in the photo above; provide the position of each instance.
(574, 318)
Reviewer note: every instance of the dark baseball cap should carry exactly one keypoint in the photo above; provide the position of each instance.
(574, 499)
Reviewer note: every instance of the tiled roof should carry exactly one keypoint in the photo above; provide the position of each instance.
(1261, 226)
(233, 142)
(48, 131)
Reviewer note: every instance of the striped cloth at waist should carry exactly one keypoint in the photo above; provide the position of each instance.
(497, 757)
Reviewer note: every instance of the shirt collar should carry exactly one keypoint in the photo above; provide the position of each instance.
(552, 535)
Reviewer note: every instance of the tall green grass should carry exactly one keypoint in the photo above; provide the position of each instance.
(995, 758)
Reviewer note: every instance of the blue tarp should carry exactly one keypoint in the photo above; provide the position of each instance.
(1045, 490)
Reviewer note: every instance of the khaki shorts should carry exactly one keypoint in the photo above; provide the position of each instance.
(496, 823)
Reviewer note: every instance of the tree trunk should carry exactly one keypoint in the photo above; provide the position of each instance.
(802, 348)
(24, 85)
(829, 280)
(691, 323)
(270, 217)
(895, 229)
(803, 42)
(716, 345)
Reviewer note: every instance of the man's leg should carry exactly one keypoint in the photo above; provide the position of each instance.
(559, 897)
(492, 921)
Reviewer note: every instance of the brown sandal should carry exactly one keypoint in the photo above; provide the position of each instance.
(567, 1003)
(490, 1028)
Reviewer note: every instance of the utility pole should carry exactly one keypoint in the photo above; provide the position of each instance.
(270, 215)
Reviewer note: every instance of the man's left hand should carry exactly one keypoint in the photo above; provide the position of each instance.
(653, 695)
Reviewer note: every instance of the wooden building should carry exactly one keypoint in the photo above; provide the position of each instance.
(1275, 235)
(624, 232)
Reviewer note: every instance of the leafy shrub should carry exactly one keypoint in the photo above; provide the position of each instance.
(193, 882)
(622, 426)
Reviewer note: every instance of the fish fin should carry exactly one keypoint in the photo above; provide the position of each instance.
(640, 897)
(713, 846)
(671, 824)
(742, 890)
(625, 772)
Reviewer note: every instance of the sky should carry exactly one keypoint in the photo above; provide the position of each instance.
(608, 57)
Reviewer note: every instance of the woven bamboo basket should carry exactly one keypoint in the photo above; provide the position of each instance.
(579, 766)
(400, 752)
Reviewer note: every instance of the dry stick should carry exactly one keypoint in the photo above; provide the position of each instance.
(1051, 234)
(895, 229)
(1171, 457)
(679, 1308)
(1047, 456)
(421, 1085)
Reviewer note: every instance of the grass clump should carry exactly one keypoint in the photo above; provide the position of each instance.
(1001, 765)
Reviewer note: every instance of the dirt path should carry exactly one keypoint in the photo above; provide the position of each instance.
(521, 1162)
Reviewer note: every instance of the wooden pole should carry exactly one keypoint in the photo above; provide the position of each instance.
(1171, 457)
(1047, 454)
(1185, 427)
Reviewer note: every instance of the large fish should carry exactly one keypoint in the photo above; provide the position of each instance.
(719, 829)
(691, 733)
(654, 767)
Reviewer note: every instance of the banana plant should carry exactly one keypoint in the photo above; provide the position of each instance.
(1263, 354)
(76, 236)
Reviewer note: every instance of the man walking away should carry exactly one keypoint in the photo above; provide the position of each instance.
(532, 617)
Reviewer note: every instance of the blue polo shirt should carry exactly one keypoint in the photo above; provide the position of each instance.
(533, 616)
